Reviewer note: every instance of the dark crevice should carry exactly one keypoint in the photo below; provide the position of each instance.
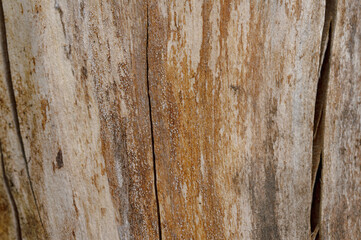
(8, 79)
(151, 128)
(316, 202)
(319, 117)
(11, 197)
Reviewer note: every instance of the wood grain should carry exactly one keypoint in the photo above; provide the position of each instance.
(233, 86)
(180, 119)
(341, 174)
(7, 216)
(19, 215)
(79, 76)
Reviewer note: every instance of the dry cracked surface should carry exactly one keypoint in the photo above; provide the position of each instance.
(180, 119)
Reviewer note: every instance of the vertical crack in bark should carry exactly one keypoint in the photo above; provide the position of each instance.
(319, 116)
(151, 126)
(11, 197)
(10, 87)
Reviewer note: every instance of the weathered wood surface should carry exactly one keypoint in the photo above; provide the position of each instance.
(79, 78)
(203, 119)
(341, 179)
(233, 89)
(7, 219)
(16, 192)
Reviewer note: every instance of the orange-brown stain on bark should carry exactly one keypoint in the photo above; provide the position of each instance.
(44, 110)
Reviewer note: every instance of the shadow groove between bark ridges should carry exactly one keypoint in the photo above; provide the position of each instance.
(319, 116)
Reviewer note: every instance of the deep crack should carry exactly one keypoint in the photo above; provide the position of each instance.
(319, 116)
(151, 126)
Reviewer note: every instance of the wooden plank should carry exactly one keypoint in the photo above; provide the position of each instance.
(233, 87)
(79, 75)
(341, 170)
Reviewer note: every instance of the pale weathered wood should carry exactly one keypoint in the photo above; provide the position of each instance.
(341, 178)
(18, 203)
(180, 119)
(79, 77)
(233, 86)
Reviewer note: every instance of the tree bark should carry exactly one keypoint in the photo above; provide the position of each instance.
(180, 119)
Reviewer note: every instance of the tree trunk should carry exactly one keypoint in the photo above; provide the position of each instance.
(180, 119)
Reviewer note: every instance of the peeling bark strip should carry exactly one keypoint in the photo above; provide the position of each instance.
(319, 115)
(11, 197)
(151, 129)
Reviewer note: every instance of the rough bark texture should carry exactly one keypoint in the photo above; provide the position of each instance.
(79, 78)
(233, 87)
(7, 216)
(341, 178)
(232, 119)
(21, 202)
